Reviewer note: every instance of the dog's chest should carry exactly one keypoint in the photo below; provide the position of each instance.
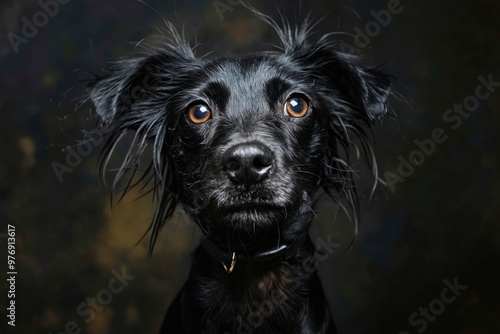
(252, 283)
(267, 293)
(259, 284)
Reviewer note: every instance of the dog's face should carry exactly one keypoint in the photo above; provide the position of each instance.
(244, 143)
(249, 144)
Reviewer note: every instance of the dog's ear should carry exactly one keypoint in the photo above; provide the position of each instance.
(138, 95)
(367, 87)
(133, 81)
(114, 93)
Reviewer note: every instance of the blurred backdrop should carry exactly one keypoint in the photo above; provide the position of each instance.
(427, 258)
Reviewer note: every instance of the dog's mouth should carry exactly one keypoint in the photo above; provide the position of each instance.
(244, 213)
(263, 197)
(249, 207)
(252, 209)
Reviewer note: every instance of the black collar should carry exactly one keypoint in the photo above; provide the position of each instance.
(228, 259)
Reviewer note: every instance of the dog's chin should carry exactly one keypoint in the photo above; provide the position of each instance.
(256, 218)
(246, 217)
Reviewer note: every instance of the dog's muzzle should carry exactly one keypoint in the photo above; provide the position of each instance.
(248, 163)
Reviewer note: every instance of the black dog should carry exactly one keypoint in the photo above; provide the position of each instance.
(244, 145)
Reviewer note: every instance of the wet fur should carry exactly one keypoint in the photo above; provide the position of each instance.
(149, 96)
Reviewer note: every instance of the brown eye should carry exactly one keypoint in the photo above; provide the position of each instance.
(199, 113)
(296, 107)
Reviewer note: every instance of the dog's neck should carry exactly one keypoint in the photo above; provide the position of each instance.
(283, 291)
(293, 262)
(278, 288)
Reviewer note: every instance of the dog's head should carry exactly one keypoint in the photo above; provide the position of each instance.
(244, 143)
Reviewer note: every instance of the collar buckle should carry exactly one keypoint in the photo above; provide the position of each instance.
(233, 263)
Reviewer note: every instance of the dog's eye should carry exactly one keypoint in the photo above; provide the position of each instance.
(296, 107)
(199, 113)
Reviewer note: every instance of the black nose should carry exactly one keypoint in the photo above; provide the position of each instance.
(248, 163)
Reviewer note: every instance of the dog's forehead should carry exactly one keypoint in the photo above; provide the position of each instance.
(247, 81)
(245, 71)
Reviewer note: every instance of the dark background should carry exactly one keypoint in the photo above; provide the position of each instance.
(440, 224)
